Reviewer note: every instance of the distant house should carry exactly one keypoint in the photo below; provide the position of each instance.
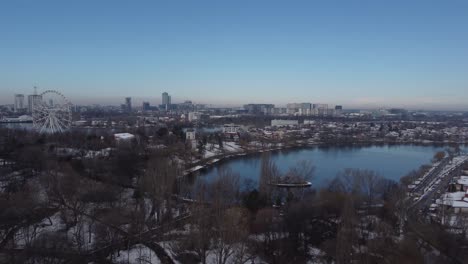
(392, 134)
(194, 116)
(456, 202)
(281, 122)
(461, 184)
(123, 138)
(190, 137)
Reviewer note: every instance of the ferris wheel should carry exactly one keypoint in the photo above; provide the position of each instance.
(51, 112)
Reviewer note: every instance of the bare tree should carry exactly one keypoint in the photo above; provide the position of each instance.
(230, 235)
(65, 188)
(302, 171)
(267, 225)
(364, 184)
(346, 238)
(269, 173)
(200, 233)
(158, 184)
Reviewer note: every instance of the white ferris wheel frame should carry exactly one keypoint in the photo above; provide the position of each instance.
(56, 118)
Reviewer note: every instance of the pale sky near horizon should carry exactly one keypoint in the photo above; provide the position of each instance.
(356, 53)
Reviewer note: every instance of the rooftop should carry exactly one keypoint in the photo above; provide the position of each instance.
(463, 180)
(124, 136)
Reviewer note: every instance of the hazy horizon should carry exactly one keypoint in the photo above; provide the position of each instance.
(367, 55)
(156, 101)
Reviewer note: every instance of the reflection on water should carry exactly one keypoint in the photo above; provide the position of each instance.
(390, 161)
(27, 126)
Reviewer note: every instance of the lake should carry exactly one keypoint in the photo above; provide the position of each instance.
(390, 161)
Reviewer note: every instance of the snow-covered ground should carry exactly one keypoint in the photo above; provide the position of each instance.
(232, 147)
(167, 246)
(315, 254)
(212, 150)
(88, 154)
(138, 254)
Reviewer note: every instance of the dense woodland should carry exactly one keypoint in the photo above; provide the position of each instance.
(82, 206)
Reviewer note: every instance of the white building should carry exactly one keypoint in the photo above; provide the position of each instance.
(231, 129)
(279, 110)
(320, 109)
(309, 122)
(166, 100)
(19, 102)
(190, 134)
(194, 116)
(123, 137)
(190, 137)
(461, 184)
(293, 108)
(457, 202)
(308, 109)
(305, 111)
(282, 122)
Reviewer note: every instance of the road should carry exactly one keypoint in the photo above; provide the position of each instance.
(433, 186)
(437, 181)
(430, 176)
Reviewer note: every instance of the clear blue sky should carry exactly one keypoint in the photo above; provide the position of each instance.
(355, 53)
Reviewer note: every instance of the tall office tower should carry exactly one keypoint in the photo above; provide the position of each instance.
(19, 102)
(128, 103)
(320, 109)
(257, 109)
(32, 100)
(338, 110)
(146, 106)
(166, 100)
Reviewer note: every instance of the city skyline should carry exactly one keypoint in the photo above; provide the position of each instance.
(397, 54)
(156, 101)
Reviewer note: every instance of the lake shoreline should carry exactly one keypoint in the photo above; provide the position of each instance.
(219, 159)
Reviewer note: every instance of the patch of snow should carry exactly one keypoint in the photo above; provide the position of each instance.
(138, 254)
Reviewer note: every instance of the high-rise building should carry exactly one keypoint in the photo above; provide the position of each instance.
(299, 108)
(186, 106)
(19, 102)
(338, 110)
(128, 103)
(146, 106)
(320, 109)
(166, 99)
(32, 100)
(255, 109)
